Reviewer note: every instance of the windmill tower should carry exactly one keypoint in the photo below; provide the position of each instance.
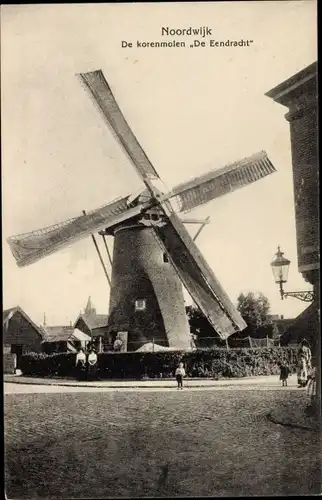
(153, 255)
(146, 298)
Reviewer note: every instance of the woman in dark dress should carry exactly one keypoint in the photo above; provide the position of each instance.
(92, 365)
(81, 365)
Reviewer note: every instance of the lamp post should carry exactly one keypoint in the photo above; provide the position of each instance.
(280, 267)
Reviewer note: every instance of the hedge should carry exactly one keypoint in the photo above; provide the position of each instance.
(212, 363)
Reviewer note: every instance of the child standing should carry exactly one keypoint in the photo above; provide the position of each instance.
(180, 373)
(284, 373)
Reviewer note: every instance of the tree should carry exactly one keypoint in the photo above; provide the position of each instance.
(200, 326)
(197, 320)
(254, 308)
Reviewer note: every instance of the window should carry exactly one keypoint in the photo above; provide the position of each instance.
(165, 258)
(140, 305)
(154, 216)
(146, 216)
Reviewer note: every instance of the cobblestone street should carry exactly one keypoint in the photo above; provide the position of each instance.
(157, 443)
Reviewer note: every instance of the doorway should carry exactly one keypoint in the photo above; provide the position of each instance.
(17, 349)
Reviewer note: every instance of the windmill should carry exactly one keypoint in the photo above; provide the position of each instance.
(153, 254)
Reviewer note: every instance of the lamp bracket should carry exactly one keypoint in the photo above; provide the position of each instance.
(305, 296)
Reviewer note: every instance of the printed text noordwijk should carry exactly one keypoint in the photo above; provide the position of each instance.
(202, 31)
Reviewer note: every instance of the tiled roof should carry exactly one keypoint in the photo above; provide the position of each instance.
(94, 321)
(64, 334)
(58, 333)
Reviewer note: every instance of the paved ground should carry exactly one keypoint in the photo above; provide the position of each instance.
(102, 442)
(268, 382)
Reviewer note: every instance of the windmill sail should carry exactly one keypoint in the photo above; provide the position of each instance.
(30, 247)
(198, 278)
(222, 181)
(101, 93)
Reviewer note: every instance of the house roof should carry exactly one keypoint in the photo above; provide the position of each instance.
(9, 313)
(93, 321)
(79, 335)
(293, 86)
(64, 334)
(285, 322)
(303, 326)
(58, 333)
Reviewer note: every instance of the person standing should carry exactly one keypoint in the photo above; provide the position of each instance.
(302, 371)
(304, 364)
(306, 351)
(311, 387)
(80, 364)
(193, 338)
(179, 374)
(117, 344)
(284, 373)
(92, 365)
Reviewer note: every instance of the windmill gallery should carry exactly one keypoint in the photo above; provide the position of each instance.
(154, 256)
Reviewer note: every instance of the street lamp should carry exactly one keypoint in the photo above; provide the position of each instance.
(280, 267)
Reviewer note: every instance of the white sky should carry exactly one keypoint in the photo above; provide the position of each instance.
(191, 109)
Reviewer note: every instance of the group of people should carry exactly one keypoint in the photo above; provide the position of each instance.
(86, 364)
(86, 367)
(306, 373)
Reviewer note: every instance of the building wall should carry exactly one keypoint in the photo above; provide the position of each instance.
(9, 363)
(303, 128)
(299, 95)
(95, 332)
(9, 360)
(21, 332)
(104, 333)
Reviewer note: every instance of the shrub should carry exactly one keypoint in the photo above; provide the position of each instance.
(48, 365)
(212, 363)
